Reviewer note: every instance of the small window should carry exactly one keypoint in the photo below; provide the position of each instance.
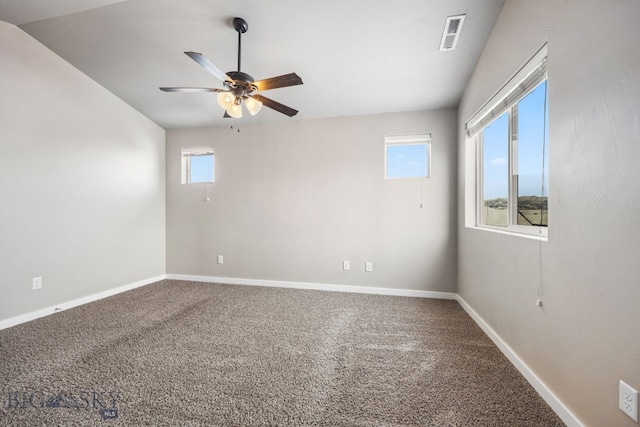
(511, 135)
(408, 156)
(197, 165)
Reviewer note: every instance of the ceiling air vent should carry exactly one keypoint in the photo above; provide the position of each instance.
(452, 29)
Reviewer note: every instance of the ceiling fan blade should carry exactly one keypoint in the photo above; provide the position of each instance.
(291, 79)
(191, 89)
(208, 65)
(281, 108)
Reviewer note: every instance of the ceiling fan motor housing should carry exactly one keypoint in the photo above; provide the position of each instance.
(240, 77)
(242, 83)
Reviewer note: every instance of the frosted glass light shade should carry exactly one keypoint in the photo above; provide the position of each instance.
(235, 111)
(253, 105)
(226, 99)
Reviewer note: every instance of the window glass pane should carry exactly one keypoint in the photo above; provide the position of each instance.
(407, 161)
(533, 162)
(201, 168)
(495, 170)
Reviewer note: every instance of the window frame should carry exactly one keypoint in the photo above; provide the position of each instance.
(506, 100)
(408, 140)
(187, 154)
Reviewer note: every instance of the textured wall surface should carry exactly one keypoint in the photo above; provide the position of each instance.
(585, 336)
(293, 200)
(81, 182)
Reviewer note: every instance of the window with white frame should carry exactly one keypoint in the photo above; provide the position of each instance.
(197, 165)
(407, 156)
(511, 138)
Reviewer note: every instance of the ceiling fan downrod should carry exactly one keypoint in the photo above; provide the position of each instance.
(241, 26)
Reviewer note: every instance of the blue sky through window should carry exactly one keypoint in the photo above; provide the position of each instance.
(531, 125)
(201, 168)
(407, 161)
(495, 145)
(532, 149)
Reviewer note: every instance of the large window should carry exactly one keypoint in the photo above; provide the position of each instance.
(511, 134)
(197, 165)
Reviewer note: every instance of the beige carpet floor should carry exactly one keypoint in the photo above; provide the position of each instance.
(196, 354)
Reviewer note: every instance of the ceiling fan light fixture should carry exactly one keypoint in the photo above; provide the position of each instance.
(253, 105)
(226, 100)
(235, 110)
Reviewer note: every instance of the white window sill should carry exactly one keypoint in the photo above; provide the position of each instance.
(510, 232)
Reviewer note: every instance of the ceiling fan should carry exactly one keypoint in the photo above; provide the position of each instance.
(240, 87)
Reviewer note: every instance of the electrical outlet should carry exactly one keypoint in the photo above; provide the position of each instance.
(220, 259)
(346, 265)
(629, 400)
(36, 283)
(368, 266)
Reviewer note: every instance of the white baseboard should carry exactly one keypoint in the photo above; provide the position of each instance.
(316, 286)
(13, 321)
(552, 400)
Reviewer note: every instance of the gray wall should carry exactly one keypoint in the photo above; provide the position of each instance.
(292, 200)
(81, 182)
(585, 336)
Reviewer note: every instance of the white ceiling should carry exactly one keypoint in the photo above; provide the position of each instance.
(354, 56)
